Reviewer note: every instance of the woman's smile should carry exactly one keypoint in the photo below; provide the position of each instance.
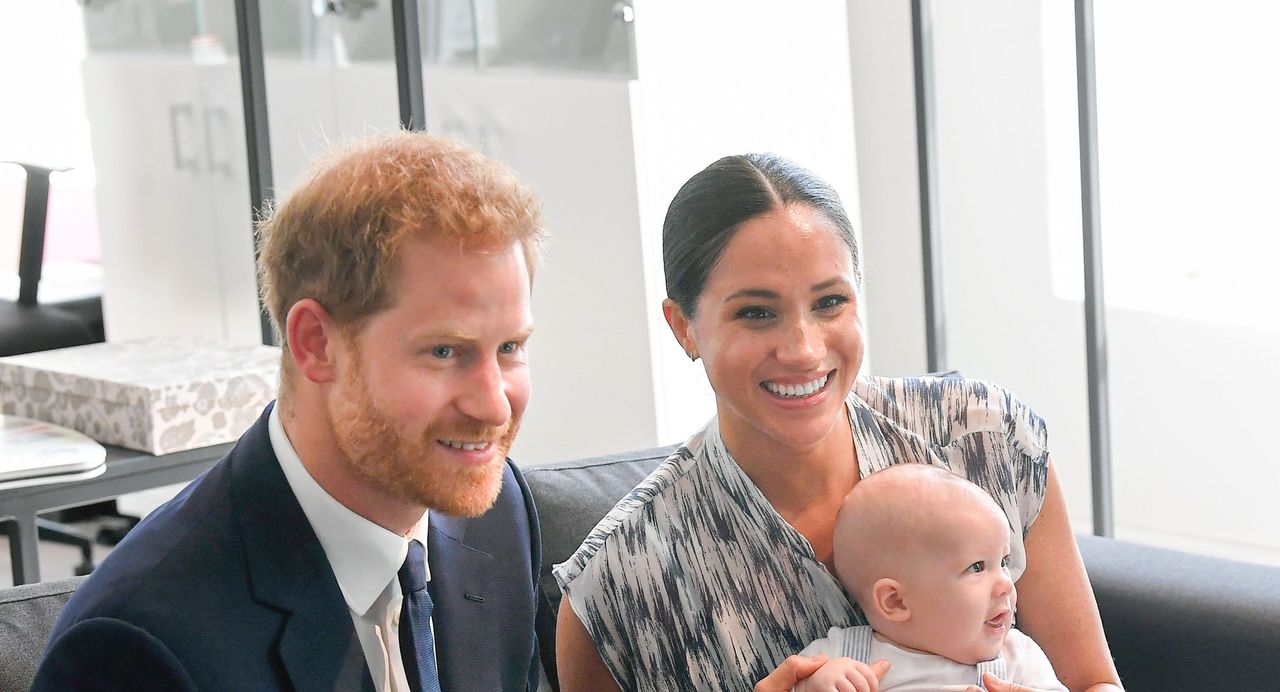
(802, 390)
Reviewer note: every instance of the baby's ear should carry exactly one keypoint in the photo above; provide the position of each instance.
(890, 600)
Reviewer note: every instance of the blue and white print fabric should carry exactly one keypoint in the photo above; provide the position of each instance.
(694, 582)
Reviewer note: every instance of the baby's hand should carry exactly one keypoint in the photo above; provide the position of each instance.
(845, 675)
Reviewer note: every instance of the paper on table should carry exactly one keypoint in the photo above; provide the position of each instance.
(34, 452)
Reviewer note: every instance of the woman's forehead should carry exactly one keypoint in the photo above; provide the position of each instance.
(792, 246)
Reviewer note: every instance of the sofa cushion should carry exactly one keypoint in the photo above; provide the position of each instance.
(572, 497)
(27, 614)
(1178, 621)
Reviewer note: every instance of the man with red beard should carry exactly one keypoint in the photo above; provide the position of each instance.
(368, 532)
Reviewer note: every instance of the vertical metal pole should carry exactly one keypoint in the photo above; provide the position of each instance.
(253, 86)
(35, 217)
(1094, 304)
(408, 47)
(927, 165)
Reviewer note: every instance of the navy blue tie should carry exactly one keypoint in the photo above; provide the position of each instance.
(417, 646)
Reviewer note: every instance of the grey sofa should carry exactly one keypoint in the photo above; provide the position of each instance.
(1175, 621)
(26, 616)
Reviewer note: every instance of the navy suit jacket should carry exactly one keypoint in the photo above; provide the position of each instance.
(226, 587)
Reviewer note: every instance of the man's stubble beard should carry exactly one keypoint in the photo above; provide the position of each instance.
(408, 467)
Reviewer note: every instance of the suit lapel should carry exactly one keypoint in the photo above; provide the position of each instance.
(461, 583)
(289, 571)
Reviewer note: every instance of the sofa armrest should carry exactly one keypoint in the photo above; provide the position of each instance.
(572, 497)
(27, 614)
(1176, 620)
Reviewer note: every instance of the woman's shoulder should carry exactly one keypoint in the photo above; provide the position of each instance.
(618, 529)
(951, 406)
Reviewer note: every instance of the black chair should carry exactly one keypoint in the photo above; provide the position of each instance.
(27, 326)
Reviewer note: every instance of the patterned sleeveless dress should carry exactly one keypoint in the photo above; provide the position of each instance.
(694, 582)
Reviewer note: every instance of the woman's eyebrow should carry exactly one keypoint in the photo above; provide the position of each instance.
(828, 284)
(773, 295)
(752, 293)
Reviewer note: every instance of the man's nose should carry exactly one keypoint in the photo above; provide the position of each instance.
(485, 399)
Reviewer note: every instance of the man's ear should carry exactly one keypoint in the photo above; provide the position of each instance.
(890, 600)
(313, 340)
(679, 324)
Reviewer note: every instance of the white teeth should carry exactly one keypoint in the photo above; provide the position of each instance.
(792, 391)
(466, 446)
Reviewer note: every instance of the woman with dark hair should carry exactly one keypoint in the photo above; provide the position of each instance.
(718, 568)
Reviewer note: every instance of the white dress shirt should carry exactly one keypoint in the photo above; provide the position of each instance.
(365, 558)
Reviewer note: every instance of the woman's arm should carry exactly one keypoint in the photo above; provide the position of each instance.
(1055, 602)
(577, 662)
(580, 667)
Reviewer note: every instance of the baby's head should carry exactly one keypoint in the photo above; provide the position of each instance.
(925, 553)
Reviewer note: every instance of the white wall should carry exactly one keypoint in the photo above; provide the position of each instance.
(40, 84)
(884, 105)
(716, 78)
(1190, 397)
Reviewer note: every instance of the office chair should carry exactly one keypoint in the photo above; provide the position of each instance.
(27, 326)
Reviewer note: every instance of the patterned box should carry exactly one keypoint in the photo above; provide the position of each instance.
(157, 395)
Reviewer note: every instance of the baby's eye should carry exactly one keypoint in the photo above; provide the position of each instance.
(979, 566)
(1004, 562)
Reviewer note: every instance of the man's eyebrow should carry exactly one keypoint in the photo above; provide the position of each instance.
(464, 336)
(442, 335)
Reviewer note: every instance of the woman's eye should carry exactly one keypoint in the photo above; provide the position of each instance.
(754, 314)
(830, 302)
(442, 351)
(978, 566)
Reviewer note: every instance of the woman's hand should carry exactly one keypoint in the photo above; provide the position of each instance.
(790, 672)
(845, 675)
(995, 684)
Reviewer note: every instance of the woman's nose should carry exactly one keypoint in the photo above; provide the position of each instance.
(803, 344)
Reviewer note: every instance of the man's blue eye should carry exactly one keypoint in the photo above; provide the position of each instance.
(978, 566)
(442, 351)
(509, 347)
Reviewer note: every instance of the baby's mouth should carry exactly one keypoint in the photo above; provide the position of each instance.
(1001, 621)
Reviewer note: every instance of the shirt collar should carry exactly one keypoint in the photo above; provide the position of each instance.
(364, 556)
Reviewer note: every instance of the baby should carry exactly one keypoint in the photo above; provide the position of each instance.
(925, 553)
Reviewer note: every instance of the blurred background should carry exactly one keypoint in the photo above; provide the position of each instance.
(605, 108)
